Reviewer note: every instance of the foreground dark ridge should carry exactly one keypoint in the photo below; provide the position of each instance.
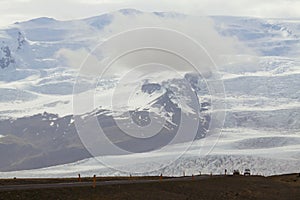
(198, 187)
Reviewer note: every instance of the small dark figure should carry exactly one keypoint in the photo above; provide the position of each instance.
(236, 172)
(79, 178)
(225, 171)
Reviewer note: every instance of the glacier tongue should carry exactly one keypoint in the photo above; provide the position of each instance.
(230, 153)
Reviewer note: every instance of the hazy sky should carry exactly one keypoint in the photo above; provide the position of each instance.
(20, 10)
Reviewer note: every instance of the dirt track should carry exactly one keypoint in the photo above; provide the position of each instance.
(218, 187)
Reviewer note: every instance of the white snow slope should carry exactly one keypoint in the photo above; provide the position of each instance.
(262, 126)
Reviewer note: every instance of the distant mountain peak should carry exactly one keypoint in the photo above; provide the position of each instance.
(43, 20)
(130, 11)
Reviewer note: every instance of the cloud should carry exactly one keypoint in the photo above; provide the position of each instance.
(75, 58)
(191, 38)
(99, 2)
(199, 29)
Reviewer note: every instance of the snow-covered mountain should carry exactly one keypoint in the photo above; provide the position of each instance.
(38, 60)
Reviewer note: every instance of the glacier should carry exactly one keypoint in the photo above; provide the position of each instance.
(262, 125)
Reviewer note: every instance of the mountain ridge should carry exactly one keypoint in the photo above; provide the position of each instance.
(35, 78)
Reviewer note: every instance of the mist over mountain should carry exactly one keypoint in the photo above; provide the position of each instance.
(39, 62)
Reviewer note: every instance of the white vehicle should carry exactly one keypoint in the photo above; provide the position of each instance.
(247, 172)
